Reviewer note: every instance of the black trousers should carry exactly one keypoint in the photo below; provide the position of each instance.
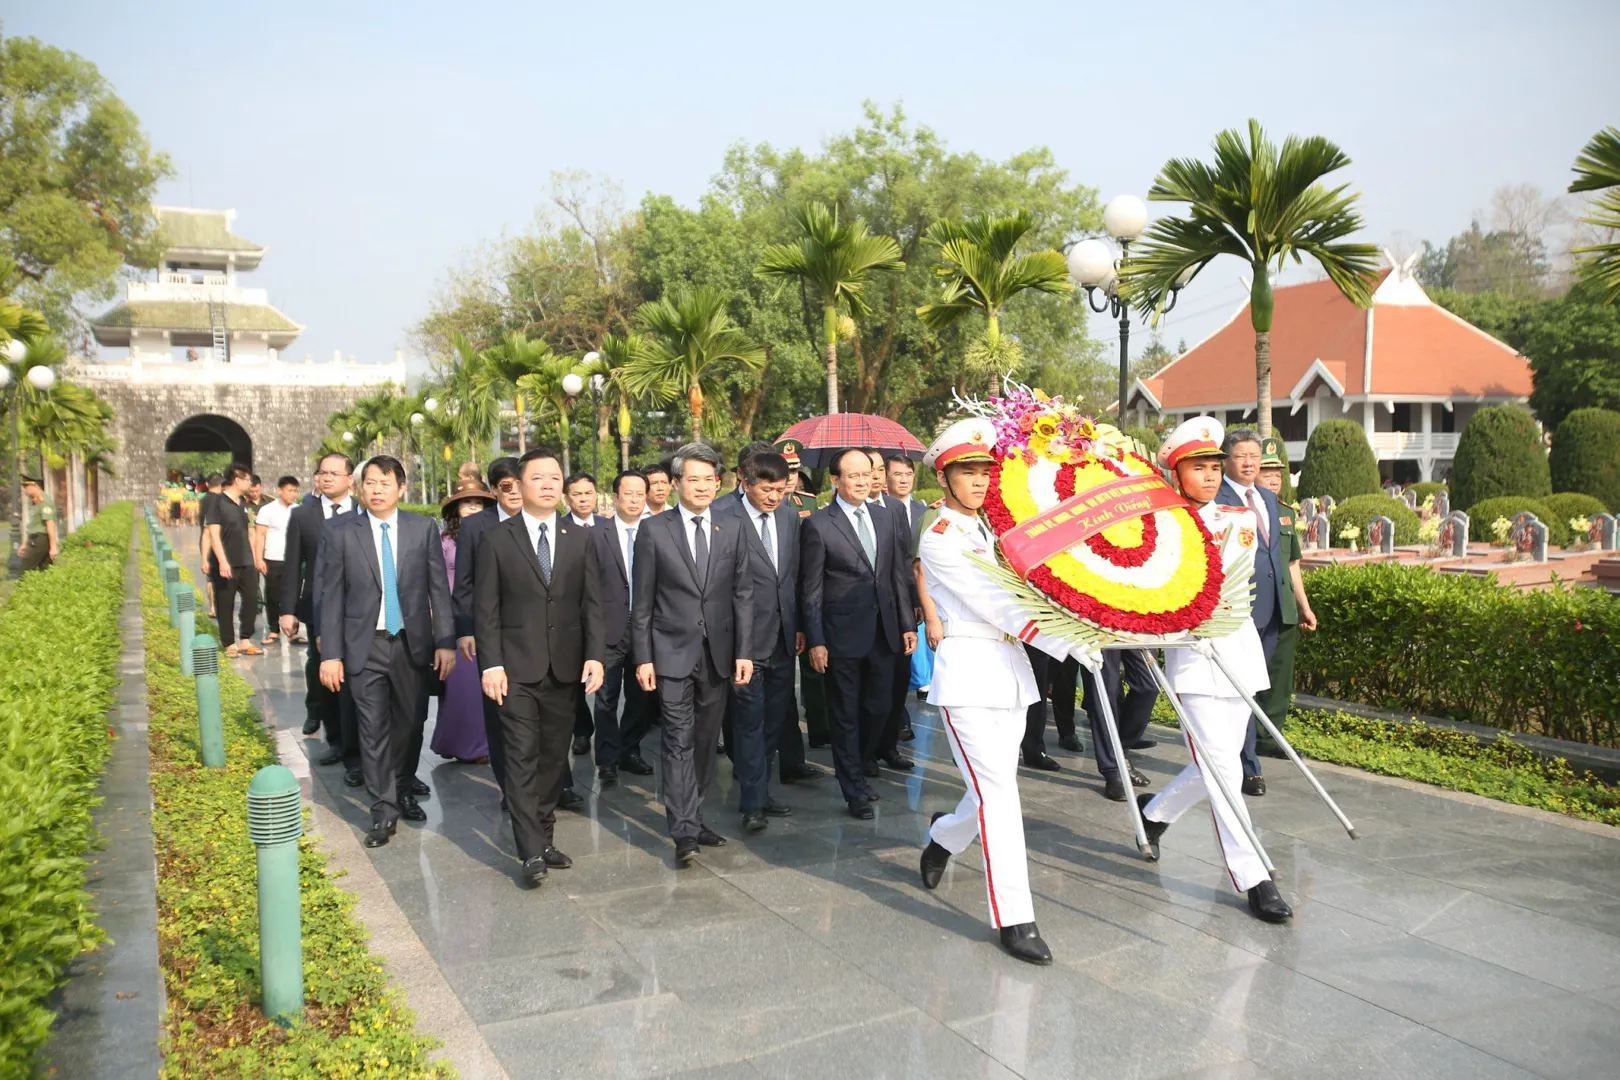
(1269, 635)
(583, 721)
(494, 735)
(790, 740)
(899, 691)
(390, 693)
(335, 711)
(1033, 744)
(1131, 711)
(759, 715)
(857, 712)
(273, 569)
(536, 721)
(243, 584)
(692, 708)
(618, 737)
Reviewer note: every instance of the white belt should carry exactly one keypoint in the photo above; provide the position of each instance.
(976, 630)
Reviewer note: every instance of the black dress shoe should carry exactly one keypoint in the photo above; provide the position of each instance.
(872, 796)
(934, 858)
(753, 821)
(354, 778)
(816, 744)
(801, 773)
(1143, 744)
(776, 809)
(861, 811)
(1255, 786)
(534, 871)
(1138, 778)
(684, 850)
(607, 773)
(312, 725)
(709, 838)
(411, 810)
(900, 762)
(1114, 788)
(633, 764)
(870, 769)
(570, 799)
(380, 834)
(907, 734)
(555, 859)
(1071, 743)
(582, 744)
(419, 789)
(1154, 829)
(1046, 763)
(333, 758)
(1024, 941)
(1267, 903)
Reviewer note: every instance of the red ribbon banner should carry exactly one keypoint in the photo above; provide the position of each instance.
(1084, 515)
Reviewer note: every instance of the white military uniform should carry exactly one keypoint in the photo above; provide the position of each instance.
(1218, 712)
(982, 685)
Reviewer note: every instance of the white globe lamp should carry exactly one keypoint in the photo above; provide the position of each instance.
(572, 384)
(42, 377)
(590, 358)
(598, 383)
(1125, 217)
(431, 404)
(348, 436)
(417, 419)
(5, 376)
(1090, 261)
(16, 350)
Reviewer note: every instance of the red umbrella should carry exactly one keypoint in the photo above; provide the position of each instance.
(824, 434)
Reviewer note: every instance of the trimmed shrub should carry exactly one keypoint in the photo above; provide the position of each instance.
(1147, 437)
(1481, 516)
(59, 647)
(1572, 504)
(1339, 462)
(1461, 647)
(1586, 455)
(1499, 453)
(1427, 488)
(1360, 510)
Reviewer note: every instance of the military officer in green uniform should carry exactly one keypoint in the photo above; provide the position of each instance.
(1280, 695)
(805, 504)
(40, 539)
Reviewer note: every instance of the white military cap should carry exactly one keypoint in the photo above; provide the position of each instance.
(1201, 436)
(972, 439)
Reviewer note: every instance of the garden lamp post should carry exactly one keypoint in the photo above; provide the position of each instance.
(572, 385)
(598, 384)
(417, 420)
(1094, 264)
(40, 378)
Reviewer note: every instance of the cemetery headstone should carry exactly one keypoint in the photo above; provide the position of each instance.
(1603, 532)
(1328, 503)
(1457, 523)
(1319, 532)
(1392, 489)
(1381, 536)
(1307, 509)
(1529, 537)
(1442, 503)
(1409, 497)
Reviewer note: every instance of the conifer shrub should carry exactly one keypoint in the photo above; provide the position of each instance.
(1339, 462)
(1586, 455)
(1360, 510)
(1499, 453)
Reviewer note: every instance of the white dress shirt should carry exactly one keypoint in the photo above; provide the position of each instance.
(583, 523)
(1249, 496)
(344, 505)
(501, 514)
(623, 529)
(687, 517)
(763, 522)
(393, 544)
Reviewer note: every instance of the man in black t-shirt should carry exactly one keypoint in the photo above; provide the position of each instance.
(210, 495)
(229, 540)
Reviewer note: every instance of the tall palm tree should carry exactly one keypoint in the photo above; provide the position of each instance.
(506, 363)
(613, 360)
(693, 340)
(538, 382)
(469, 408)
(1263, 204)
(982, 270)
(1598, 169)
(835, 259)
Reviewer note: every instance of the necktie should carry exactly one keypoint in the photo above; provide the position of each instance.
(700, 541)
(542, 548)
(868, 545)
(765, 537)
(984, 534)
(393, 621)
(1260, 514)
(630, 562)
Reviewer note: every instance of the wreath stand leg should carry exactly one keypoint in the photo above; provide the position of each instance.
(1112, 730)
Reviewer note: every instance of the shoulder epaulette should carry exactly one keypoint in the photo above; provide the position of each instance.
(940, 526)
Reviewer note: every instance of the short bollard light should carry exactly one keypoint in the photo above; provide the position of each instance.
(210, 729)
(275, 822)
(171, 578)
(188, 629)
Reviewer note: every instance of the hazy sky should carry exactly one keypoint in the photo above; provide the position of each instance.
(370, 146)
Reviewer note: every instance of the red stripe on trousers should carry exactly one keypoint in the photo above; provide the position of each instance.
(984, 841)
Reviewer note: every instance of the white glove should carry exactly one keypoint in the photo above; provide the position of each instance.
(1090, 659)
(1204, 647)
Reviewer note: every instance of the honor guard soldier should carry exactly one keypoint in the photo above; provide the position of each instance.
(1280, 671)
(1193, 454)
(796, 498)
(982, 685)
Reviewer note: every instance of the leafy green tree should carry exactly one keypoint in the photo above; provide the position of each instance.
(693, 340)
(614, 357)
(1585, 455)
(77, 178)
(836, 260)
(1338, 462)
(1573, 344)
(459, 381)
(982, 271)
(1499, 453)
(541, 385)
(1506, 262)
(1263, 204)
(1598, 169)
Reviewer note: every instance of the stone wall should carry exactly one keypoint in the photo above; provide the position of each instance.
(286, 424)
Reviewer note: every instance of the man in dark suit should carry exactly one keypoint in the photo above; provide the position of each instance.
(579, 508)
(691, 632)
(854, 596)
(385, 624)
(539, 630)
(899, 478)
(1274, 605)
(618, 739)
(760, 709)
(333, 501)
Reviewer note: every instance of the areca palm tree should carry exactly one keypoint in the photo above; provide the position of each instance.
(982, 270)
(1598, 169)
(613, 360)
(537, 380)
(835, 259)
(692, 340)
(1263, 204)
(462, 394)
(504, 365)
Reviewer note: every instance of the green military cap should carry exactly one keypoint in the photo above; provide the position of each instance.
(790, 449)
(1271, 450)
(32, 480)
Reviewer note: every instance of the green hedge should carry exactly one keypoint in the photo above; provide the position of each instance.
(1360, 510)
(1482, 516)
(1427, 488)
(1573, 504)
(1406, 638)
(59, 648)
(208, 916)
(1499, 453)
(1339, 462)
(1586, 455)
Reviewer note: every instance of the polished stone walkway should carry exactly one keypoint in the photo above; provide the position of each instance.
(1453, 940)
